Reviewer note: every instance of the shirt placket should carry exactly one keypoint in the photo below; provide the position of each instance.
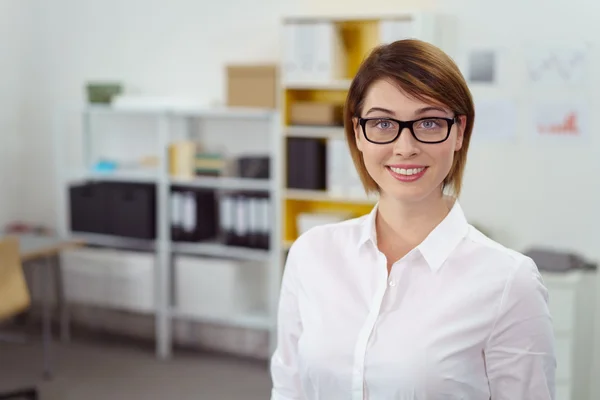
(360, 350)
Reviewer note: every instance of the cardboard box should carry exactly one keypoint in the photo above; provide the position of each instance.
(252, 86)
(313, 113)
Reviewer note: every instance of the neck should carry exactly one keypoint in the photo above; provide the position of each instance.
(408, 224)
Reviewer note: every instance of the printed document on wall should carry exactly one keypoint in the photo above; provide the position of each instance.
(495, 119)
(551, 66)
(560, 121)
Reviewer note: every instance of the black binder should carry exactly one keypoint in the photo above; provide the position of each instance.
(306, 168)
(193, 214)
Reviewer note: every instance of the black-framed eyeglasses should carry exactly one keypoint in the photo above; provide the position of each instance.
(385, 130)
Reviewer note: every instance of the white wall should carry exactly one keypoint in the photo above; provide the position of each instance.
(523, 194)
(15, 31)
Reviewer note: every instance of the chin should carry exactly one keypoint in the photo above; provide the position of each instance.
(406, 196)
(414, 192)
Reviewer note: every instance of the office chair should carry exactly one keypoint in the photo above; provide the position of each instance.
(14, 299)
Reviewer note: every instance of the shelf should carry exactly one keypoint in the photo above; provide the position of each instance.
(252, 320)
(142, 176)
(337, 17)
(321, 195)
(95, 239)
(101, 109)
(183, 111)
(342, 84)
(326, 132)
(227, 112)
(225, 183)
(220, 250)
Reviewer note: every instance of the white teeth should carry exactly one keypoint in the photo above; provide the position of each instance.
(410, 171)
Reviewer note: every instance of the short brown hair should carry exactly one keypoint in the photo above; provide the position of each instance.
(423, 71)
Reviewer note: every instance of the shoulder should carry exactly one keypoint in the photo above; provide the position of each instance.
(517, 272)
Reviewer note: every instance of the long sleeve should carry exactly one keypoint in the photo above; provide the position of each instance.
(519, 355)
(284, 363)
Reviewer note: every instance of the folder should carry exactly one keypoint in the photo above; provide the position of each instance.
(265, 224)
(306, 167)
(241, 220)
(253, 222)
(226, 208)
(176, 215)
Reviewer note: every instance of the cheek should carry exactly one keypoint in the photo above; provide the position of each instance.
(375, 155)
(445, 156)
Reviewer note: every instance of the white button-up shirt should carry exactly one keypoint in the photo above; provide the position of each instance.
(459, 317)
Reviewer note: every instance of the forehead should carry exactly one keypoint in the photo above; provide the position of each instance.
(386, 94)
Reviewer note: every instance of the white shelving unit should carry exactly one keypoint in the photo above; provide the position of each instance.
(164, 122)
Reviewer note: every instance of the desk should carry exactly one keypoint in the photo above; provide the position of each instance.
(43, 251)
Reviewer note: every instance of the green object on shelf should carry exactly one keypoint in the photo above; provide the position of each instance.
(102, 93)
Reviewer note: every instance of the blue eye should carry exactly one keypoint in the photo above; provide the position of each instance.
(384, 124)
(430, 124)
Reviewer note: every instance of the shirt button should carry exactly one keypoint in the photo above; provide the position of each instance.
(392, 283)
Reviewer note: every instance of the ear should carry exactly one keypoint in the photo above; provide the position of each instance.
(357, 133)
(460, 132)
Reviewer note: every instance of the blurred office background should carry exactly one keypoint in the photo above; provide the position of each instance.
(184, 145)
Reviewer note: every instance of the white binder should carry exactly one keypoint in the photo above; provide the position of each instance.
(313, 53)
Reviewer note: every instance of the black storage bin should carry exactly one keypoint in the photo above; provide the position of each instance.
(306, 168)
(132, 210)
(198, 215)
(256, 167)
(88, 208)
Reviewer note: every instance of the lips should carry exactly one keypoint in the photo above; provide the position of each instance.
(407, 173)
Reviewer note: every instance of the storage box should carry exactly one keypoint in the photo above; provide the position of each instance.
(255, 167)
(314, 113)
(88, 208)
(132, 210)
(109, 278)
(111, 208)
(252, 86)
(212, 287)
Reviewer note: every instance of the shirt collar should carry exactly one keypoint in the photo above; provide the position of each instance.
(438, 245)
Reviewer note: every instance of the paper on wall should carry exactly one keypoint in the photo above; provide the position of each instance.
(558, 65)
(560, 120)
(495, 119)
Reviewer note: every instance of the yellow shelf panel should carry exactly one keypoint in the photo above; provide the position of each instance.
(322, 195)
(359, 37)
(333, 96)
(294, 207)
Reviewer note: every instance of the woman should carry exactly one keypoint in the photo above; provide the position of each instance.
(410, 301)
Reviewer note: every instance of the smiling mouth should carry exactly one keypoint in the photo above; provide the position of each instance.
(407, 171)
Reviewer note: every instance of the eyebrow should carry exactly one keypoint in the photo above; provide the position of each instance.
(380, 109)
(420, 111)
(424, 110)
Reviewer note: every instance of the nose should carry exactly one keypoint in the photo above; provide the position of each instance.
(406, 145)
